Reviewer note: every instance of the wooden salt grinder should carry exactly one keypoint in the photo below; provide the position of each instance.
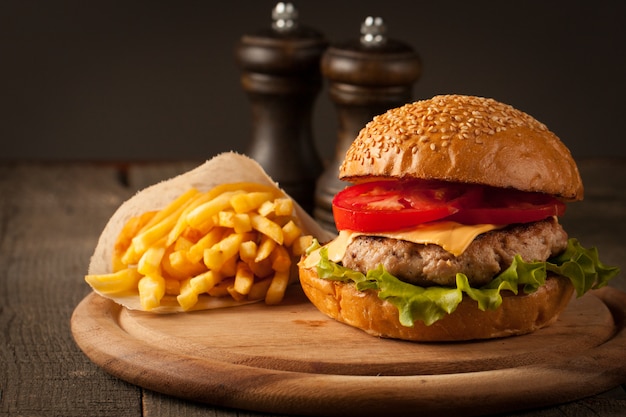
(367, 77)
(280, 73)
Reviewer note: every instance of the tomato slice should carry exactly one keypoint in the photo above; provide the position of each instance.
(500, 206)
(394, 205)
(381, 206)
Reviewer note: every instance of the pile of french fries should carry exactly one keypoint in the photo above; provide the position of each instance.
(237, 240)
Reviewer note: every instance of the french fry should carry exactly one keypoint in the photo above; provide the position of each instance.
(229, 269)
(236, 240)
(267, 227)
(277, 288)
(151, 291)
(196, 252)
(281, 260)
(248, 250)
(244, 278)
(191, 234)
(150, 261)
(181, 244)
(259, 289)
(221, 288)
(265, 248)
(147, 238)
(226, 218)
(283, 206)
(277, 208)
(116, 282)
(301, 244)
(175, 206)
(181, 223)
(157, 227)
(206, 225)
(172, 286)
(191, 288)
(243, 203)
(290, 233)
(124, 239)
(167, 269)
(130, 257)
(187, 298)
(233, 293)
(242, 223)
(261, 269)
(181, 267)
(206, 211)
(219, 253)
(267, 208)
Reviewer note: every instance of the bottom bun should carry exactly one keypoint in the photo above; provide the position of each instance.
(518, 314)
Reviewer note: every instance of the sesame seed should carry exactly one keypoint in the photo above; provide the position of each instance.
(439, 121)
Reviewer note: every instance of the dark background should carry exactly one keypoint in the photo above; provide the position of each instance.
(157, 80)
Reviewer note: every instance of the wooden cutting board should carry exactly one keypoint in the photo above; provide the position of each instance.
(291, 359)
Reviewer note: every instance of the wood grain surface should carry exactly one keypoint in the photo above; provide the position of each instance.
(50, 218)
(264, 358)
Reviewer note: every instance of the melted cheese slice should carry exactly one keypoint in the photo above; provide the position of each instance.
(453, 237)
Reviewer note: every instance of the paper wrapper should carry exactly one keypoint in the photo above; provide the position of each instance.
(224, 168)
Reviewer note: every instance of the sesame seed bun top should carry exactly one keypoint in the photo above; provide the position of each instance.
(463, 139)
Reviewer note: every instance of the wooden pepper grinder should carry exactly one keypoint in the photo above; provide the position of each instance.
(367, 77)
(280, 73)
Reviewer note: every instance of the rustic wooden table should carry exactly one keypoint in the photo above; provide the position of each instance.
(50, 217)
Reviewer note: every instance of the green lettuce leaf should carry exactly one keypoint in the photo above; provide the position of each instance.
(430, 304)
(583, 267)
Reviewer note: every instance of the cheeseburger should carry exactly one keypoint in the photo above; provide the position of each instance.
(449, 229)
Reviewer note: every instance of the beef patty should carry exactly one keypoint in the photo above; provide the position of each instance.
(487, 255)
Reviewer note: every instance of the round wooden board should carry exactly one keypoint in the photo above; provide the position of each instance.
(291, 359)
